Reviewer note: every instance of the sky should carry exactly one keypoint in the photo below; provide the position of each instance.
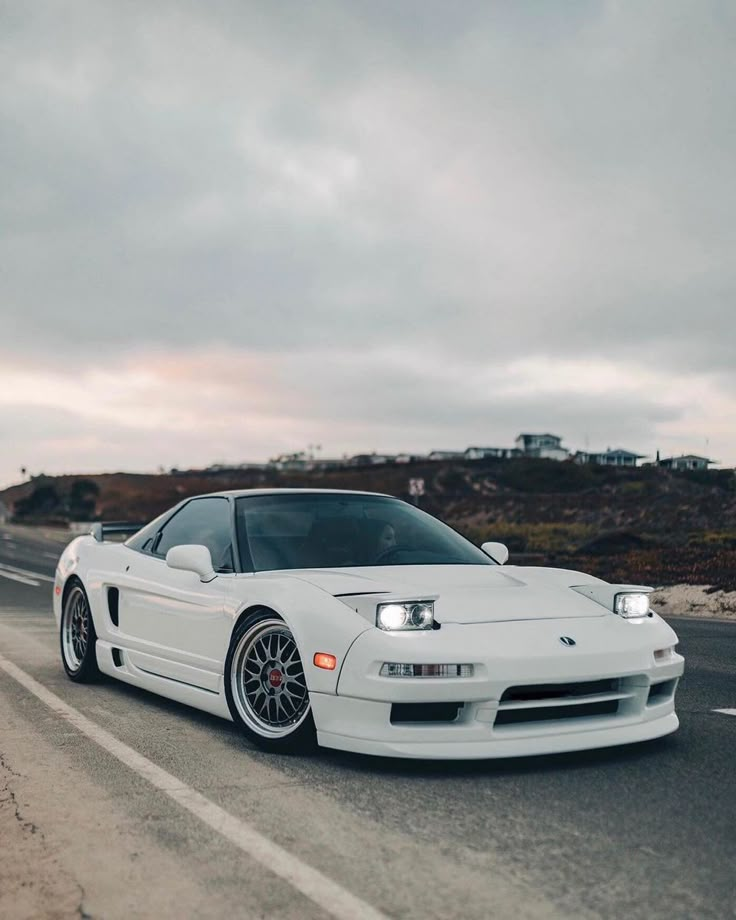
(230, 230)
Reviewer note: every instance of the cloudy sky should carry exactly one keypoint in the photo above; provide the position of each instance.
(234, 229)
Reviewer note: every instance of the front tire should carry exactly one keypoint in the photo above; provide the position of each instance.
(266, 687)
(77, 636)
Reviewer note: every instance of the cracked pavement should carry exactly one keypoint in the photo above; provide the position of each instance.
(34, 882)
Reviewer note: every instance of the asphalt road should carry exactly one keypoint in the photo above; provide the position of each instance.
(646, 831)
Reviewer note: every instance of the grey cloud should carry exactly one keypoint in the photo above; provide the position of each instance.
(55, 441)
(486, 181)
(37, 423)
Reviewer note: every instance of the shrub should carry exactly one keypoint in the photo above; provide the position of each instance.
(532, 475)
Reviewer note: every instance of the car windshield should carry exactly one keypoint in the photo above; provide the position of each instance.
(298, 531)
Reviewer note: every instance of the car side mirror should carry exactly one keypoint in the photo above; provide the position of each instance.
(499, 552)
(191, 557)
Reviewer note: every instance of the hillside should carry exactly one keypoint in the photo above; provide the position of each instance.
(647, 524)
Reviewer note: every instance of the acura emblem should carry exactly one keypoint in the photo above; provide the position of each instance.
(566, 640)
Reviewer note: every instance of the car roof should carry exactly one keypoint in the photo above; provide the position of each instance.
(241, 493)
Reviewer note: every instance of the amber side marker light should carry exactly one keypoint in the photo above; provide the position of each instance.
(323, 660)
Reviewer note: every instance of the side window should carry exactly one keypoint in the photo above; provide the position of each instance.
(205, 521)
(143, 540)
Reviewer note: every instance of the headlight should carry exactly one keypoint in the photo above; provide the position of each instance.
(405, 616)
(631, 606)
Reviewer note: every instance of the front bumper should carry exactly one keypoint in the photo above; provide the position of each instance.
(507, 656)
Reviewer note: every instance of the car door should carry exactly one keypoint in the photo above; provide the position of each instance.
(172, 624)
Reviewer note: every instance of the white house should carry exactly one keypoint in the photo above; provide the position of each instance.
(236, 467)
(373, 459)
(292, 462)
(547, 446)
(617, 457)
(687, 462)
(446, 455)
(480, 453)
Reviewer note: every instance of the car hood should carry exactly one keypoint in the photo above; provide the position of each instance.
(462, 593)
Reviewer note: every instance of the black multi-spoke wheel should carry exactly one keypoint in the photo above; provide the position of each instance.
(266, 686)
(78, 636)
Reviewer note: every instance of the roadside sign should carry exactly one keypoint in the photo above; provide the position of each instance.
(416, 487)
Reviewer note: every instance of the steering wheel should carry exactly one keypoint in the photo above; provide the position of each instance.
(386, 554)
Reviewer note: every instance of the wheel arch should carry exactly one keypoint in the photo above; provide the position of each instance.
(88, 668)
(68, 585)
(297, 738)
(318, 621)
(77, 561)
(250, 610)
(75, 579)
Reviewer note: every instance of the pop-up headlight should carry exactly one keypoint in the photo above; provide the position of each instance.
(407, 615)
(631, 606)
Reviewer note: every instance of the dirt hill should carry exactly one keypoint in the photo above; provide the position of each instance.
(648, 524)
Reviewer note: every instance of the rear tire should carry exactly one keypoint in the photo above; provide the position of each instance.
(77, 636)
(266, 686)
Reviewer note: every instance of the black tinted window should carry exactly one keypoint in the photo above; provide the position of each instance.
(205, 521)
(313, 530)
(143, 540)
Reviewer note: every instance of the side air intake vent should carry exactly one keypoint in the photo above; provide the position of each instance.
(117, 657)
(113, 599)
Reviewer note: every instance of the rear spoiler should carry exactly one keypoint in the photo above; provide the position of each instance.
(99, 530)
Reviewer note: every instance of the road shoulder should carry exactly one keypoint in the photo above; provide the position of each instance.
(697, 601)
(69, 849)
(34, 884)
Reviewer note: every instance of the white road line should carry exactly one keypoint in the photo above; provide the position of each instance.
(21, 578)
(16, 571)
(326, 893)
(726, 712)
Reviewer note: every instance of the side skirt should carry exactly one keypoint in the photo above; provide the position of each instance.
(115, 662)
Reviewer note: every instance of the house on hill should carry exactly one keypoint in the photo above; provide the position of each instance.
(687, 462)
(546, 446)
(409, 458)
(617, 457)
(298, 462)
(500, 453)
(373, 459)
(236, 467)
(446, 455)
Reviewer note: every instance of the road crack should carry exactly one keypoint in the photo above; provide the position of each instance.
(8, 797)
(34, 883)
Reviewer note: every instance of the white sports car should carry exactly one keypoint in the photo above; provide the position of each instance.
(356, 621)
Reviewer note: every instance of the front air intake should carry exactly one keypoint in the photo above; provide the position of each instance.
(526, 704)
(403, 713)
(550, 713)
(659, 693)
